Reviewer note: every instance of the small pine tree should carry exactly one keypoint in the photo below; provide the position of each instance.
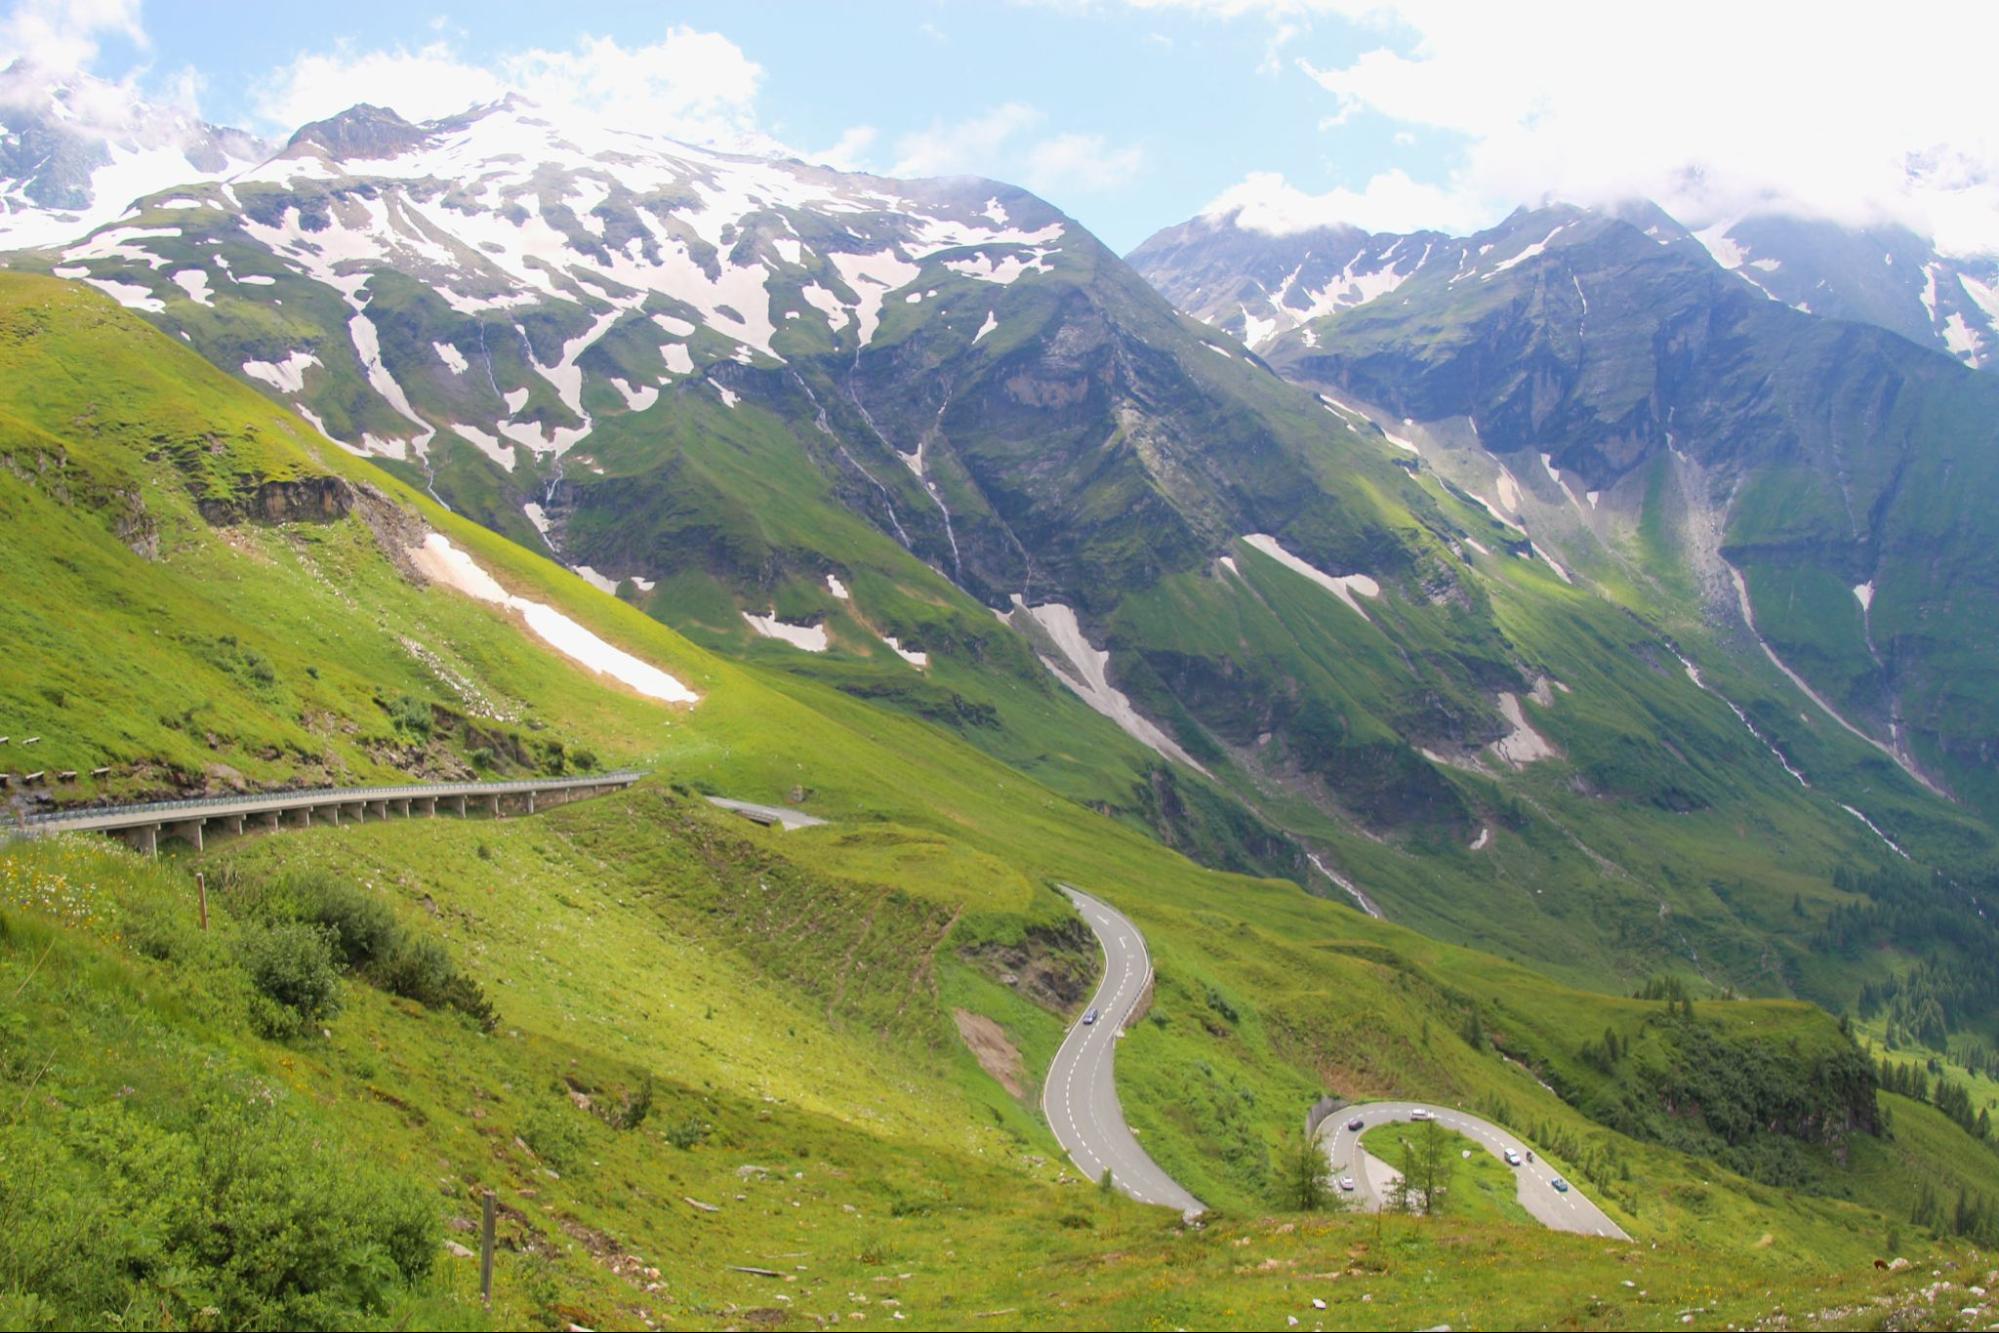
(1303, 1173)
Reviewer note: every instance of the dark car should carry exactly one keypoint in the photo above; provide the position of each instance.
(1356, 1124)
(1560, 1185)
(1089, 1018)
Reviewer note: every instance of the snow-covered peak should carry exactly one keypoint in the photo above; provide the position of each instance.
(1887, 275)
(76, 151)
(510, 280)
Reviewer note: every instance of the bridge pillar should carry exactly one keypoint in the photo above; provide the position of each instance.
(332, 813)
(531, 802)
(461, 804)
(494, 802)
(274, 818)
(145, 838)
(406, 807)
(235, 823)
(381, 809)
(188, 830)
(429, 804)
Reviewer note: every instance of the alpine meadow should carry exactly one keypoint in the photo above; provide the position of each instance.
(610, 719)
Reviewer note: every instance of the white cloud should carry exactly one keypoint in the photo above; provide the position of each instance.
(1078, 162)
(50, 46)
(689, 85)
(1001, 143)
(850, 151)
(1712, 109)
(422, 84)
(962, 147)
(65, 36)
(1391, 201)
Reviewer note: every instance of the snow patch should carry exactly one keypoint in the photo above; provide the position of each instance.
(837, 588)
(992, 322)
(596, 580)
(194, 281)
(1342, 586)
(1523, 745)
(812, 638)
(490, 445)
(1864, 593)
(872, 277)
(286, 376)
(637, 399)
(1085, 670)
(440, 561)
(916, 657)
(453, 359)
(129, 294)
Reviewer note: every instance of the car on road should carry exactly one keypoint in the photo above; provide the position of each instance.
(1561, 1186)
(1346, 1184)
(1356, 1124)
(1089, 1018)
(1512, 1157)
(1420, 1114)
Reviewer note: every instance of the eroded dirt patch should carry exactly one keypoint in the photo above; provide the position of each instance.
(996, 1055)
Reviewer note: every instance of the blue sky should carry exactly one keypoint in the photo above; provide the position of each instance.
(1136, 114)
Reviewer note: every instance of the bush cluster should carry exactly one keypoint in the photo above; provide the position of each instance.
(302, 930)
(217, 1208)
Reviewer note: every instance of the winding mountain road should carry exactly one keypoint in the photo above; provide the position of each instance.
(1079, 1097)
(1372, 1177)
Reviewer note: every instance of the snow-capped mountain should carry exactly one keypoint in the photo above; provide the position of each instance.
(75, 154)
(1256, 285)
(505, 282)
(1886, 275)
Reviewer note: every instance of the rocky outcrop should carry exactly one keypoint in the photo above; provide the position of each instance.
(307, 500)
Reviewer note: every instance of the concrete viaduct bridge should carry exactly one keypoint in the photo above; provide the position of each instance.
(143, 826)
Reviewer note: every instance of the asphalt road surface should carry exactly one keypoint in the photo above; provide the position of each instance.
(1079, 1097)
(1543, 1202)
(782, 816)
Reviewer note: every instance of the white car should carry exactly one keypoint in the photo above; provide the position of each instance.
(1346, 1184)
(1512, 1157)
(1421, 1114)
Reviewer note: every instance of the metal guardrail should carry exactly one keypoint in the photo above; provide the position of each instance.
(322, 796)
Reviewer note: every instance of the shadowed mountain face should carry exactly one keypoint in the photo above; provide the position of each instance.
(1831, 478)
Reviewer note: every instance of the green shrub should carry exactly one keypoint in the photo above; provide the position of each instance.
(553, 1135)
(291, 965)
(635, 1107)
(419, 968)
(363, 927)
(221, 1208)
(410, 716)
(686, 1133)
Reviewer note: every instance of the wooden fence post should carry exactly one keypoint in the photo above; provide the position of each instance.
(486, 1254)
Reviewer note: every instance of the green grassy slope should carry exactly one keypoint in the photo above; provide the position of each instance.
(646, 935)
